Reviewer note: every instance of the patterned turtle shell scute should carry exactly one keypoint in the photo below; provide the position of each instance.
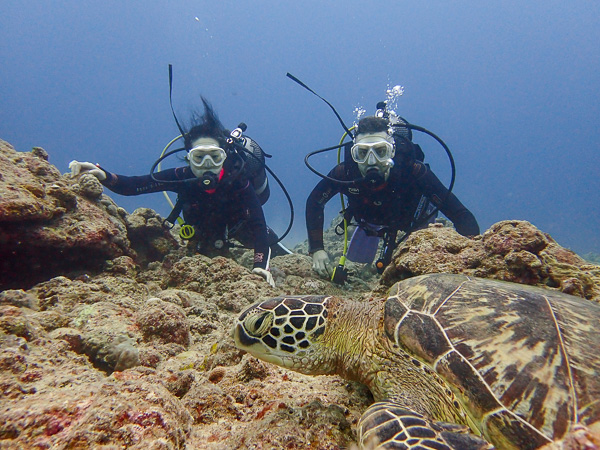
(521, 358)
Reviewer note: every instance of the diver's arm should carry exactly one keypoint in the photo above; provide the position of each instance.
(464, 221)
(144, 184)
(315, 207)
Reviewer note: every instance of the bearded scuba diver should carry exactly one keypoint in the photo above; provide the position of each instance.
(220, 191)
(389, 190)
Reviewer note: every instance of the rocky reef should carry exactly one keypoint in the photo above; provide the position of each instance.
(114, 335)
(511, 250)
(144, 358)
(51, 224)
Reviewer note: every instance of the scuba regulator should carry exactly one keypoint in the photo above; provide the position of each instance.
(209, 181)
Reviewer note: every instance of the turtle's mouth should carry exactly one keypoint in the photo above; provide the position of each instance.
(269, 357)
(242, 339)
(255, 346)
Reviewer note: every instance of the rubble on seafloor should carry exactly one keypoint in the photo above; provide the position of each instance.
(117, 336)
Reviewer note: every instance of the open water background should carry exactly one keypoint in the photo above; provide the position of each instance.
(512, 87)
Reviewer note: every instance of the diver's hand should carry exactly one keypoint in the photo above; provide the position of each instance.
(320, 263)
(265, 274)
(79, 168)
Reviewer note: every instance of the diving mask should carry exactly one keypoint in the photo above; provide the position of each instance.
(373, 152)
(376, 151)
(206, 158)
(372, 148)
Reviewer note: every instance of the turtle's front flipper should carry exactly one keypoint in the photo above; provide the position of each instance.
(387, 425)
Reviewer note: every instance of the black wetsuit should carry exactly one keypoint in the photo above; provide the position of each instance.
(232, 209)
(392, 204)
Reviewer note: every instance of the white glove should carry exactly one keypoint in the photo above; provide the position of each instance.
(265, 274)
(320, 263)
(79, 168)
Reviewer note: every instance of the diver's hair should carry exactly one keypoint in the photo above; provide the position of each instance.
(205, 125)
(372, 124)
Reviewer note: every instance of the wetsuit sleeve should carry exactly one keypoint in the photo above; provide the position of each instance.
(464, 221)
(315, 207)
(144, 184)
(257, 225)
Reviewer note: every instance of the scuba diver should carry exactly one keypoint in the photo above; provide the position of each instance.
(388, 188)
(218, 190)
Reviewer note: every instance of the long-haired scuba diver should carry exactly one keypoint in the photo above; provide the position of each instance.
(388, 188)
(217, 191)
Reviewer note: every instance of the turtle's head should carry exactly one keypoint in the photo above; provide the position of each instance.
(287, 331)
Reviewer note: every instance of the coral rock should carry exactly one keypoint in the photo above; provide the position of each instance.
(46, 227)
(149, 238)
(164, 322)
(511, 250)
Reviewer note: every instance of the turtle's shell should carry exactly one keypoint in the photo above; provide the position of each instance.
(518, 356)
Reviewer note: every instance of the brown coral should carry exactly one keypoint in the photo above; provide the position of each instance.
(164, 322)
(512, 250)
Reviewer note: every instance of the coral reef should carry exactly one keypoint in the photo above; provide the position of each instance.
(156, 364)
(51, 224)
(126, 341)
(148, 237)
(511, 250)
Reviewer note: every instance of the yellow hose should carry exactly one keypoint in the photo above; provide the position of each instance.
(339, 160)
(186, 231)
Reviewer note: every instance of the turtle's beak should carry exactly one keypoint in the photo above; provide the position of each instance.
(254, 346)
(243, 340)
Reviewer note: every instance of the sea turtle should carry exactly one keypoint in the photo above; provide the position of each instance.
(447, 357)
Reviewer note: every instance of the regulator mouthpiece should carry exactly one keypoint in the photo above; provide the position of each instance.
(209, 181)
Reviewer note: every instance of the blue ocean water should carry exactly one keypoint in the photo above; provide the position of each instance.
(511, 87)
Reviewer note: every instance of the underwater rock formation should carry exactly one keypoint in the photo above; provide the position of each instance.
(138, 353)
(48, 224)
(149, 238)
(144, 357)
(51, 224)
(511, 250)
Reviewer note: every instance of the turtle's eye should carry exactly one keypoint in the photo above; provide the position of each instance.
(258, 324)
